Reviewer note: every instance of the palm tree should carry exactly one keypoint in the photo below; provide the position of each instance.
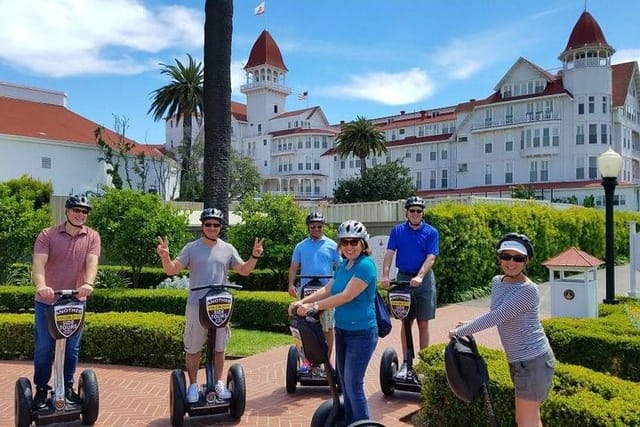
(183, 97)
(218, 27)
(360, 138)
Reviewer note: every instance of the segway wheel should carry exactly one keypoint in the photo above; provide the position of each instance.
(23, 402)
(388, 369)
(238, 388)
(88, 390)
(292, 369)
(365, 423)
(326, 416)
(177, 397)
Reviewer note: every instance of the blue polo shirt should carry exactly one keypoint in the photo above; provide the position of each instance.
(316, 257)
(412, 246)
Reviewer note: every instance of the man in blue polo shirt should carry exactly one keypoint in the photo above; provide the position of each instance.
(416, 246)
(316, 255)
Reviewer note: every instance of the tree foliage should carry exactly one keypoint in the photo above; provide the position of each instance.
(279, 220)
(389, 181)
(182, 97)
(129, 222)
(522, 191)
(24, 211)
(244, 176)
(360, 139)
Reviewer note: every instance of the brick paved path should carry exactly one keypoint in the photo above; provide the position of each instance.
(136, 396)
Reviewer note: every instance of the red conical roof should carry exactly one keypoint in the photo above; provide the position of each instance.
(265, 51)
(586, 33)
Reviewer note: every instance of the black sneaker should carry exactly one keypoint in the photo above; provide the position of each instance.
(70, 395)
(40, 399)
(402, 372)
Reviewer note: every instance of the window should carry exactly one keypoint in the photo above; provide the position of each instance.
(444, 155)
(488, 170)
(593, 134)
(508, 146)
(419, 180)
(544, 170)
(275, 109)
(300, 166)
(581, 108)
(555, 137)
(265, 163)
(604, 136)
(508, 117)
(546, 140)
(418, 157)
(401, 131)
(580, 135)
(488, 148)
(259, 127)
(580, 168)
(508, 173)
(593, 167)
(488, 117)
(536, 138)
(462, 167)
(432, 155)
(444, 181)
(432, 179)
(605, 103)
(264, 142)
(592, 104)
(533, 171)
(45, 162)
(407, 155)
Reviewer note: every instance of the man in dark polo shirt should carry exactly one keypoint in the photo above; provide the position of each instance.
(416, 246)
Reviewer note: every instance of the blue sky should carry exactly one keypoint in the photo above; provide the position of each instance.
(353, 57)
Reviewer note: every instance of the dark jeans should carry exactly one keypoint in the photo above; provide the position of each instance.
(45, 346)
(353, 353)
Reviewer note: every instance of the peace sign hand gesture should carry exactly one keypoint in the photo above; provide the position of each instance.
(163, 247)
(257, 250)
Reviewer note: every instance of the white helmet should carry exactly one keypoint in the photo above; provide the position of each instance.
(353, 229)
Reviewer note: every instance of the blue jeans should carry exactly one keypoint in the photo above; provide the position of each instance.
(353, 353)
(45, 346)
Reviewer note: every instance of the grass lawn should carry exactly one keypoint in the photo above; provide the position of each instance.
(246, 342)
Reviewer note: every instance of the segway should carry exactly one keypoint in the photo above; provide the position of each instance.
(216, 308)
(314, 375)
(403, 307)
(331, 412)
(65, 319)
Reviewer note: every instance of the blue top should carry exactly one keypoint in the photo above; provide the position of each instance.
(316, 257)
(413, 246)
(359, 313)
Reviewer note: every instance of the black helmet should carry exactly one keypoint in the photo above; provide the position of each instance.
(77, 202)
(315, 217)
(523, 239)
(414, 201)
(465, 368)
(212, 213)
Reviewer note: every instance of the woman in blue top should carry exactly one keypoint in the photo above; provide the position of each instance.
(351, 292)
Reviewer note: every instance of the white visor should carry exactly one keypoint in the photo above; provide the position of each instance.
(512, 245)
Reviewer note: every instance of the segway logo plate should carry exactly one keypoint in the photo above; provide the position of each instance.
(68, 319)
(400, 304)
(219, 308)
(309, 289)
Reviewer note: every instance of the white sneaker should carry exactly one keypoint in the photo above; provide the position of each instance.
(222, 391)
(193, 394)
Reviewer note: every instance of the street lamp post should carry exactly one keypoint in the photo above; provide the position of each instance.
(609, 164)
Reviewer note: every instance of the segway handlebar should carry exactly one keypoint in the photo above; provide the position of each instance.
(66, 292)
(313, 277)
(217, 286)
(396, 282)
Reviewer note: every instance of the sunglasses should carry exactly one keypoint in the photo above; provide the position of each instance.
(316, 227)
(516, 258)
(352, 242)
(415, 211)
(78, 210)
(212, 224)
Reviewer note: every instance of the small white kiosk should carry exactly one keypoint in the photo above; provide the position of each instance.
(573, 295)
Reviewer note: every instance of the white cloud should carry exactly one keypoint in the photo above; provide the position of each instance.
(399, 88)
(626, 55)
(68, 37)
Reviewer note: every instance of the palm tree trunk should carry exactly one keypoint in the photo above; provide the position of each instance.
(363, 166)
(218, 28)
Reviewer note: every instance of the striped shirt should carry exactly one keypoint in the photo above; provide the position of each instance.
(514, 311)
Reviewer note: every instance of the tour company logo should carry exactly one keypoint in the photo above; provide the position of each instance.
(68, 319)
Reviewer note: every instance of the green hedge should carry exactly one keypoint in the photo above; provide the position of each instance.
(579, 396)
(127, 338)
(252, 310)
(608, 344)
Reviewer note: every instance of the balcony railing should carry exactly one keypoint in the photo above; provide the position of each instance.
(516, 120)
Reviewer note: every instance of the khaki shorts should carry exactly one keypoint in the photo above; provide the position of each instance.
(195, 335)
(532, 378)
(327, 319)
